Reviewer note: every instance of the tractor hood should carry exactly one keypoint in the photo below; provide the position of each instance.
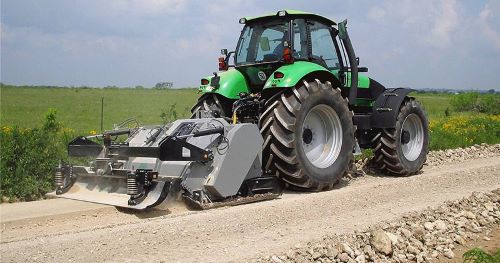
(226, 83)
(247, 78)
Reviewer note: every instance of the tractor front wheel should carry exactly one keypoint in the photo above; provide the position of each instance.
(402, 150)
(214, 104)
(308, 136)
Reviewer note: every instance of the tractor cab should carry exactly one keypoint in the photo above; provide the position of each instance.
(270, 44)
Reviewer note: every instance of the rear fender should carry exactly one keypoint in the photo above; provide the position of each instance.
(386, 107)
(294, 73)
(229, 84)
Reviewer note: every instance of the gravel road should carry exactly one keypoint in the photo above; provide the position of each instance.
(30, 232)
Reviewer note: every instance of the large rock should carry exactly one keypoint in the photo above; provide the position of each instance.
(440, 225)
(392, 237)
(469, 215)
(332, 252)
(419, 232)
(449, 254)
(360, 259)
(343, 257)
(412, 250)
(276, 259)
(381, 242)
(429, 226)
(347, 249)
(406, 233)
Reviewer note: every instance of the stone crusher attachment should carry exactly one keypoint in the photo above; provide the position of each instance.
(207, 162)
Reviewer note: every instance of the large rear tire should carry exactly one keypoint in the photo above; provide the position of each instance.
(308, 136)
(402, 151)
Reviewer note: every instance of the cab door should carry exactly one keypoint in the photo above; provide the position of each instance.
(323, 46)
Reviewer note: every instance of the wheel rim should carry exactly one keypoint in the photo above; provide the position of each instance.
(322, 136)
(414, 129)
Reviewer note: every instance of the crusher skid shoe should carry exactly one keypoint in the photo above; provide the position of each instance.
(207, 162)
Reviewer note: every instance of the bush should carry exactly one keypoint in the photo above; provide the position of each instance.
(29, 157)
(464, 102)
(471, 101)
(489, 104)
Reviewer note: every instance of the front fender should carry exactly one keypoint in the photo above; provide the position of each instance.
(386, 107)
(231, 83)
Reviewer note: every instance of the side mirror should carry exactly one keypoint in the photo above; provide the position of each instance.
(223, 52)
(362, 69)
(264, 44)
(343, 29)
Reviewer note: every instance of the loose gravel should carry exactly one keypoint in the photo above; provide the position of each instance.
(363, 166)
(436, 158)
(416, 237)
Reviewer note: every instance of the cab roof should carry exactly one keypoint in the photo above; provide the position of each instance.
(287, 13)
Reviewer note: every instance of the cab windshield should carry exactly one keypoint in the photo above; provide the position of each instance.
(262, 42)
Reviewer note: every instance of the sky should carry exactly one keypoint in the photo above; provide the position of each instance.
(419, 44)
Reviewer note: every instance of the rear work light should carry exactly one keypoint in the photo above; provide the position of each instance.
(278, 75)
(222, 63)
(204, 82)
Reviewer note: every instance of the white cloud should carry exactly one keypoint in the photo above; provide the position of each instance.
(487, 29)
(428, 22)
(445, 25)
(147, 7)
(377, 13)
(137, 41)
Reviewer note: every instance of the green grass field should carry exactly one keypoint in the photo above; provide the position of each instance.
(80, 108)
(435, 104)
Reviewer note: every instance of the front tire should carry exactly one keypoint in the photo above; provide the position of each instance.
(308, 136)
(402, 151)
(216, 105)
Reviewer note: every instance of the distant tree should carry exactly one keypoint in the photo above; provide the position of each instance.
(491, 91)
(164, 85)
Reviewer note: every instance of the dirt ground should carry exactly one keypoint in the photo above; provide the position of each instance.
(54, 230)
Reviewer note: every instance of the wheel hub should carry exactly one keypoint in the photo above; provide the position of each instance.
(405, 137)
(322, 136)
(307, 136)
(412, 137)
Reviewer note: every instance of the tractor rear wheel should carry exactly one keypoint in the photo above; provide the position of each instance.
(402, 151)
(308, 136)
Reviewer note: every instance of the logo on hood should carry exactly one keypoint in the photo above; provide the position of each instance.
(262, 75)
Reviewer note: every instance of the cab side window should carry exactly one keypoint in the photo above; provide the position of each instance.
(323, 48)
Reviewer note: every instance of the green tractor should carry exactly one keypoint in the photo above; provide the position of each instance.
(296, 75)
